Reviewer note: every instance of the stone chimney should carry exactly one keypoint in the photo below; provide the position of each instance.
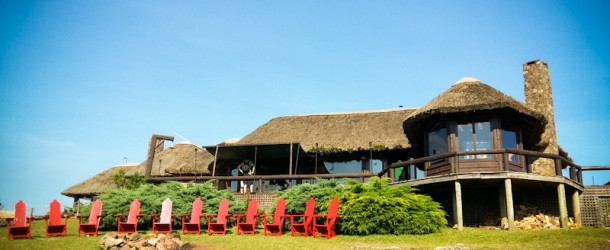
(539, 97)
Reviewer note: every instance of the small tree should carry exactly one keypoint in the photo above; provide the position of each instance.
(122, 180)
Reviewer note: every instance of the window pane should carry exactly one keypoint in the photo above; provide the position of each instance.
(464, 133)
(437, 142)
(509, 140)
(483, 138)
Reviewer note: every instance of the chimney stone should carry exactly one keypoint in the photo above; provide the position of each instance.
(539, 96)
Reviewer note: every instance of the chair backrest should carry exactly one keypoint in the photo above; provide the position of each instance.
(134, 211)
(54, 213)
(309, 211)
(20, 214)
(96, 210)
(333, 211)
(223, 211)
(252, 209)
(166, 211)
(280, 208)
(196, 211)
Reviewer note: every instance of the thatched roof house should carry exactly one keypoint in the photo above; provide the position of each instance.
(101, 182)
(183, 158)
(467, 97)
(338, 132)
(471, 141)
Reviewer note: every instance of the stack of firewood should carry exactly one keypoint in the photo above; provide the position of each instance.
(542, 221)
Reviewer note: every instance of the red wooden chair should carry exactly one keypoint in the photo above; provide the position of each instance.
(220, 226)
(306, 226)
(19, 226)
(248, 226)
(328, 228)
(90, 228)
(131, 225)
(53, 220)
(165, 223)
(194, 226)
(278, 219)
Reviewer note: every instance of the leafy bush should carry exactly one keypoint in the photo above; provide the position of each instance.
(122, 180)
(377, 208)
(117, 201)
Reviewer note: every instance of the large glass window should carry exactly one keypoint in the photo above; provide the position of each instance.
(509, 140)
(474, 136)
(437, 143)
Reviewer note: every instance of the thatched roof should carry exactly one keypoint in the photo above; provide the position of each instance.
(102, 181)
(470, 96)
(339, 132)
(182, 159)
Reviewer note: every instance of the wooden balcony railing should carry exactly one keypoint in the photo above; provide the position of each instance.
(499, 162)
(261, 178)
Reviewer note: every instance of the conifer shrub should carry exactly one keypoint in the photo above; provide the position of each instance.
(117, 201)
(377, 208)
(373, 207)
(322, 191)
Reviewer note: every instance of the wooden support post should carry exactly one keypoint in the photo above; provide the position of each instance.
(392, 174)
(290, 164)
(152, 147)
(260, 185)
(76, 205)
(510, 209)
(215, 159)
(576, 207)
(457, 207)
(558, 167)
(563, 207)
(315, 170)
(503, 209)
(505, 161)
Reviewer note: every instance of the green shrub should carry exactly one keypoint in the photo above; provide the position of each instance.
(151, 196)
(377, 208)
(322, 191)
(122, 180)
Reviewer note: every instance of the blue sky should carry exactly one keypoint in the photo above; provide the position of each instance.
(84, 84)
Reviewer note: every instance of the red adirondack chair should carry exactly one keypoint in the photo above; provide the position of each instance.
(19, 226)
(306, 226)
(165, 223)
(90, 228)
(220, 226)
(249, 225)
(131, 225)
(53, 220)
(194, 226)
(328, 228)
(276, 227)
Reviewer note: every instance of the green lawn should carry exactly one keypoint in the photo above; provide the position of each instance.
(587, 238)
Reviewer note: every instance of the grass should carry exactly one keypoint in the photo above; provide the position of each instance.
(586, 238)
